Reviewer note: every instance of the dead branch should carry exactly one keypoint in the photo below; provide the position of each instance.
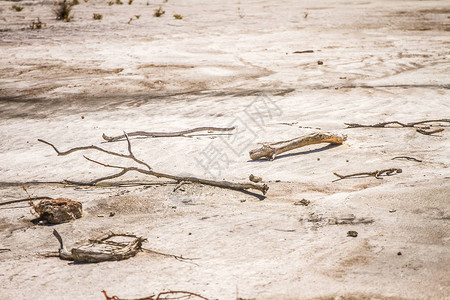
(4, 250)
(375, 174)
(158, 297)
(24, 200)
(223, 184)
(270, 151)
(180, 292)
(422, 131)
(182, 133)
(406, 157)
(385, 124)
(130, 155)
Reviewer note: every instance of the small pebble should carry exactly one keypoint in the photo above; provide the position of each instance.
(319, 62)
(352, 233)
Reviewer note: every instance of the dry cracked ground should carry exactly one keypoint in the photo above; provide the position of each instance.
(276, 70)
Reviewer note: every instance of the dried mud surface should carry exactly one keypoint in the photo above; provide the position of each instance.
(230, 63)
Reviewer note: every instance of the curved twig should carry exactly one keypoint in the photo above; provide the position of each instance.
(375, 174)
(384, 124)
(406, 157)
(165, 134)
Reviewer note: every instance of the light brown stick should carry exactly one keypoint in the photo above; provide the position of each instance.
(165, 134)
(223, 184)
(270, 151)
(375, 174)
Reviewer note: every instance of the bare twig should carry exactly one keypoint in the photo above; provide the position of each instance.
(4, 250)
(303, 51)
(158, 297)
(406, 157)
(24, 200)
(182, 133)
(375, 174)
(223, 184)
(180, 292)
(270, 151)
(384, 124)
(422, 131)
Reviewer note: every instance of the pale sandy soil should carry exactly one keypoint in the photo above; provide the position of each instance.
(70, 82)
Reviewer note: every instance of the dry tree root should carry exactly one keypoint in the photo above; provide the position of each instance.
(103, 249)
(385, 124)
(223, 184)
(160, 296)
(271, 150)
(182, 133)
(375, 174)
(406, 157)
(94, 253)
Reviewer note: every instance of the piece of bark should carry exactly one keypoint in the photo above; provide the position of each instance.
(57, 211)
(270, 151)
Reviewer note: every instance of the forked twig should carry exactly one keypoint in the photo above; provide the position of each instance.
(182, 133)
(223, 184)
(130, 155)
(375, 174)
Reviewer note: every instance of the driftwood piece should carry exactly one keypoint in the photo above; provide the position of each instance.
(407, 158)
(57, 211)
(182, 133)
(375, 174)
(272, 150)
(100, 250)
(223, 184)
(385, 124)
(103, 249)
